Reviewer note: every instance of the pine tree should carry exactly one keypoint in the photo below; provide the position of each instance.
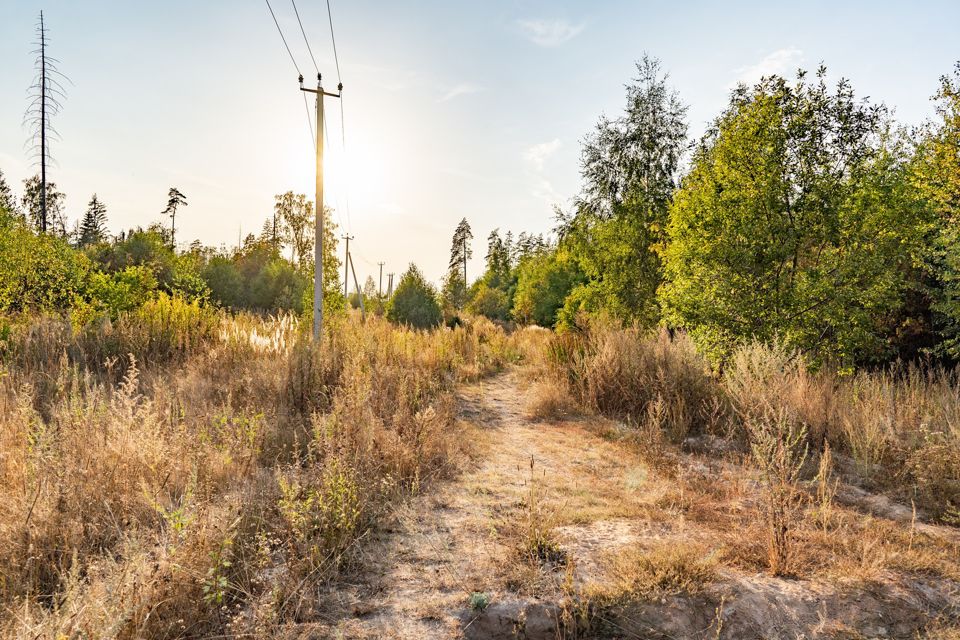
(175, 199)
(93, 226)
(460, 250)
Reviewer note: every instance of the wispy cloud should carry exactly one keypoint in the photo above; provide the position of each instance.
(536, 157)
(781, 62)
(538, 153)
(549, 33)
(462, 89)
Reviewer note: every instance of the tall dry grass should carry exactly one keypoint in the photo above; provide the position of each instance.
(208, 482)
(896, 430)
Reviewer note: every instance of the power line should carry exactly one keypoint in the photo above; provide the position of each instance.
(297, 13)
(306, 105)
(280, 31)
(333, 39)
(343, 126)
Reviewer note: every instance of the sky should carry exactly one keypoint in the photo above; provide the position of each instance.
(451, 109)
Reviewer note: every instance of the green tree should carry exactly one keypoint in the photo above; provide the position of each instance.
(453, 293)
(175, 200)
(414, 303)
(936, 173)
(544, 281)
(796, 221)
(8, 202)
(93, 225)
(460, 250)
(295, 214)
(31, 203)
(629, 166)
(39, 272)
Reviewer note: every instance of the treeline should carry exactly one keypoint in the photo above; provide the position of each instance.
(90, 273)
(804, 215)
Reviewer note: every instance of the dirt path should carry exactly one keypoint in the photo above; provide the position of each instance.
(460, 538)
(448, 565)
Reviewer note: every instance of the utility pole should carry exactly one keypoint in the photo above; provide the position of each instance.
(389, 285)
(356, 283)
(380, 291)
(346, 265)
(318, 226)
(43, 127)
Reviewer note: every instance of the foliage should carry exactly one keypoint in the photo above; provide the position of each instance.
(460, 250)
(38, 272)
(544, 281)
(937, 176)
(93, 225)
(175, 200)
(488, 301)
(796, 221)
(629, 167)
(414, 302)
(30, 201)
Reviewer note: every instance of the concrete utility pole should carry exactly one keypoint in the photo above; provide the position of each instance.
(380, 290)
(356, 283)
(346, 265)
(318, 226)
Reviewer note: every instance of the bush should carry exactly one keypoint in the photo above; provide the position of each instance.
(414, 303)
(38, 272)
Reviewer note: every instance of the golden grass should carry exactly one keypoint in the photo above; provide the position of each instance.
(203, 487)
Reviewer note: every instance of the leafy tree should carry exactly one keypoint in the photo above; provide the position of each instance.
(454, 293)
(795, 221)
(93, 224)
(175, 200)
(937, 175)
(544, 281)
(489, 301)
(39, 272)
(629, 166)
(460, 250)
(8, 202)
(31, 203)
(414, 303)
(296, 220)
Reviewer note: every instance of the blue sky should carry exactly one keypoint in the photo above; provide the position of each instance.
(452, 109)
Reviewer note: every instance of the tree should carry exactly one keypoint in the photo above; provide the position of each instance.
(936, 173)
(454, 293)
(32, 202)
(93, 224)
(8, 202)
(796, 222)
(544, 280)
(629, 167)
(175, 199)
(293, 213)
(414, 303)
(460, 250)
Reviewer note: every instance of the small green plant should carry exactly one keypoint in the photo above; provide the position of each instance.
(216, 584)
(479, 601)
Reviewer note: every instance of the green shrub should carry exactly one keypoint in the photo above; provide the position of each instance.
(38, 272)
(415, 302)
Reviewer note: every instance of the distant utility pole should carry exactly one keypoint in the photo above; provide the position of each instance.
(356, 283)
(389, 285)
(380, 291)
(346, 265)
(318, 226)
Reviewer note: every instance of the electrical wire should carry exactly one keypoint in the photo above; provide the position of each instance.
(343, 126)
(280, 31)
(315, 66)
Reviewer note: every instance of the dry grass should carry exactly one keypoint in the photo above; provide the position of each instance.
(899, 428)
(643, 573)
(203, 484)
